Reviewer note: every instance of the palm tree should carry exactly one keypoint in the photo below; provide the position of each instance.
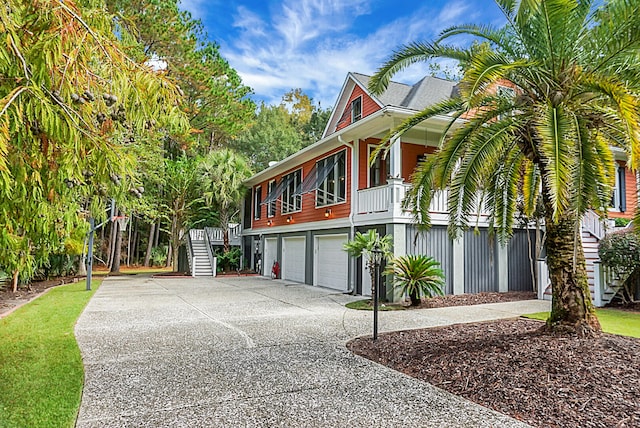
(363, 244)
(550, 138)
(416, 275)
(223, 174)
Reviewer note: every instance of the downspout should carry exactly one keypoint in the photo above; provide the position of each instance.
(354, 194)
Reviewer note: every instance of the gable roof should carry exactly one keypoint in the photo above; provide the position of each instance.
(426, 92)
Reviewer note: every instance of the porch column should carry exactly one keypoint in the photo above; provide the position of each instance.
(458, 266)
(503, 268)
(395, 153)
(399, 242)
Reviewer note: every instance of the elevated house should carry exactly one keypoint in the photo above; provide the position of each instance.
(302, 210)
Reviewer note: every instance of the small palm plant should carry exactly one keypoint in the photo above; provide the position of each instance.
(363, 244)
(417, 275)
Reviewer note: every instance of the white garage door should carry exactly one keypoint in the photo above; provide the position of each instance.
(331, 262)
(270, 255)
(293, 258)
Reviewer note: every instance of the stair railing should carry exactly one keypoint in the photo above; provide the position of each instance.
(212, 259)
(592, 223)
(190, 256)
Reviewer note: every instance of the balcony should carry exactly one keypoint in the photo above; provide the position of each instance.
(388, 199)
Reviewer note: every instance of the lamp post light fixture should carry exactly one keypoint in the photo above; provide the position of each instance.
(376, 256)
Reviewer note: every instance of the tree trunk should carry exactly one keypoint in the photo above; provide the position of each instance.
(571, 309)
(414, 295)
(14, 281)
(147, 256)
(82, 267)
(170, 257)
(174, 243)
(117, 252)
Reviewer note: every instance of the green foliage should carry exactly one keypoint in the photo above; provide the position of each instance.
(550, 139)
(159, 255)
(416, 275)
(71, 106)
(621, 222)
(41, 374)
(620, 250)
(229, 260)
(279, 131)
(363, 244)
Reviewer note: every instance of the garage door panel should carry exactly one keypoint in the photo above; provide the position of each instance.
(293, 259)
(331, 262)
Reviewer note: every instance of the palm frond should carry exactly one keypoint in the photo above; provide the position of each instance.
(408, 55)
(556, 149)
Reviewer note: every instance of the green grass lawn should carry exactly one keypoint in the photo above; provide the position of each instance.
(41, 371)
(613, 321)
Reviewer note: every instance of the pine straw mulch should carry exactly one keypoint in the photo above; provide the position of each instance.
(511, 366)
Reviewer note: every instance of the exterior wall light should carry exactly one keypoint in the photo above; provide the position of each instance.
(327, 212)
(269, 223)
(289, 219)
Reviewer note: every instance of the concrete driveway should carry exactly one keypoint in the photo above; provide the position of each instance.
(251, 352)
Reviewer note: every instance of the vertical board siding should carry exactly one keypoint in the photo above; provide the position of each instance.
(434, 243)
(480, 262)
(519, 263)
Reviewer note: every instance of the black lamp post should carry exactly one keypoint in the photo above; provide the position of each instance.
(376, 256)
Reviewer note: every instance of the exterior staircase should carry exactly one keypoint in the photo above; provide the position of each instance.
(603, 286)
(201, 260)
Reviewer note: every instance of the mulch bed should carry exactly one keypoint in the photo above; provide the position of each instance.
(511, 366)
(475, 299)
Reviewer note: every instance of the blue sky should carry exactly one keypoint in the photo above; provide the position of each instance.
(312, 44)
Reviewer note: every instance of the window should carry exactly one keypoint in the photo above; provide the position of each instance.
(378, 170)
(257, 198)
(356, 109)
(271, 208)
(291, 202)
(333, 188)
(619, 196)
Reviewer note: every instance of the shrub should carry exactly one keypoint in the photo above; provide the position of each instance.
(159, 255)
(417, 275)
(621, 222)
(620, 251)
(229, 260)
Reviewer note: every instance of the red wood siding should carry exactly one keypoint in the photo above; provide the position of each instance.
(309, 211)
(410, 153)
(368, 106)
(363, 161)
(631, 195)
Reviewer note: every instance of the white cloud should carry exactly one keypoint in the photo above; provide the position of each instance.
(309, 44)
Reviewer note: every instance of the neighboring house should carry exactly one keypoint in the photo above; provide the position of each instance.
(302, 210)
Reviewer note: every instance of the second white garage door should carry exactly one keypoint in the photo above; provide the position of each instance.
(331, 262)
(293, 258)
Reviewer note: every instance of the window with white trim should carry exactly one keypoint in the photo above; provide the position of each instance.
(619, 194)
(333, 189)
(271, 207)
(291, 202)
(356, 109)
(257, 198)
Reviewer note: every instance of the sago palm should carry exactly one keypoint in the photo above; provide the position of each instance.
(416, 275)
(551, 138)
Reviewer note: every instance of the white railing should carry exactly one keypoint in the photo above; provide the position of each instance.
(544, 281)
(606, 283)
(592, 223)
(373, 200)
(385, 198)
(196, 234)
(216, 236)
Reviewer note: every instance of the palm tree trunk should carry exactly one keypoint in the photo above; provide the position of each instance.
(571, 309)
(117, 251)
